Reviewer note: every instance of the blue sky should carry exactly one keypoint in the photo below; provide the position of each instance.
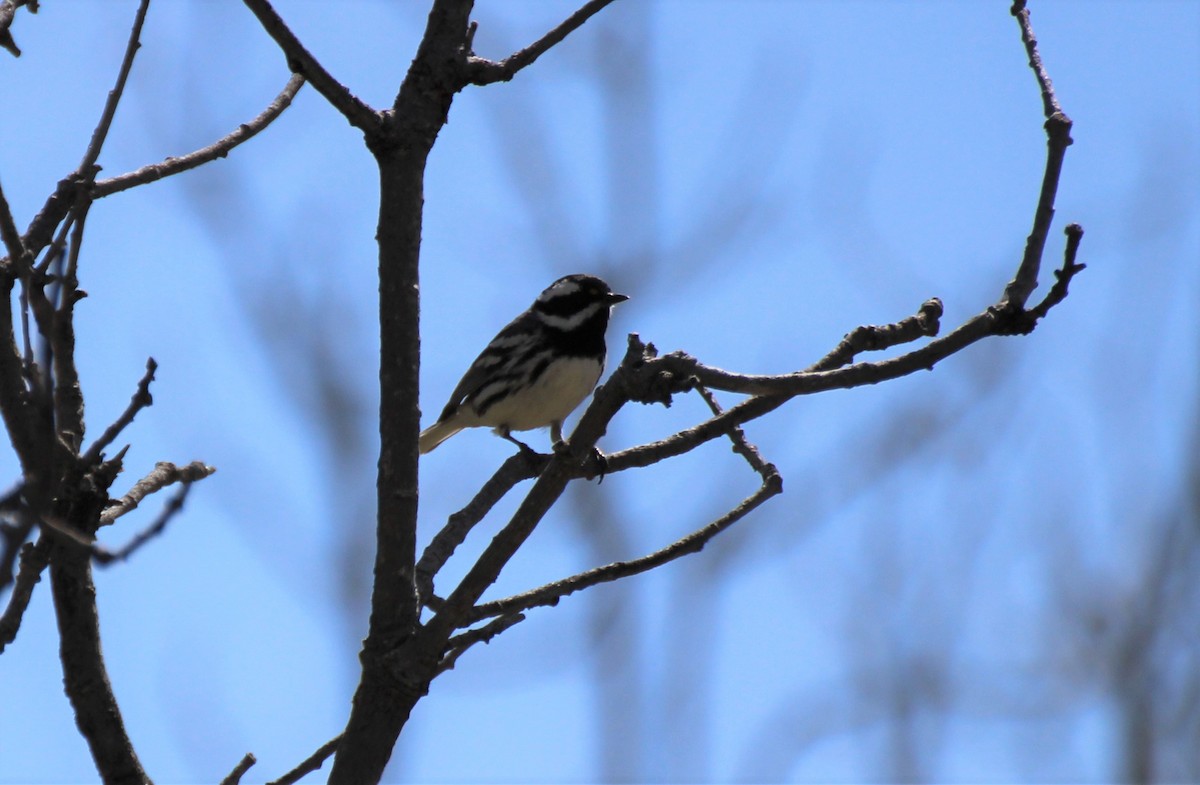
(939, 592)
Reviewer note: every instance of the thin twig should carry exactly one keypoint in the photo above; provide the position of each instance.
(140, 400)
(1058, 133)
(1062, 277)
(481, 71)
(551, 593)
(218, 149)
(11, 238)
(92, 154)
(68, 396)
(300, 60)
(34, 558)
(458, 644)
(1050, 105)
(741, 445)
(172, 508)
(311, 763)
(243, 766)
(517, 468)
(59, 204)
(164, 474)
(925, 323)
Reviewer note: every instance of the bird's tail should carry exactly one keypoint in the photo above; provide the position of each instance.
(436, 434)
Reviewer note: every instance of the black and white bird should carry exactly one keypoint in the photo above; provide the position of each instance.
(537, 369)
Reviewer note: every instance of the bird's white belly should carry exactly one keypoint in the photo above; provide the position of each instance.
(555, 394)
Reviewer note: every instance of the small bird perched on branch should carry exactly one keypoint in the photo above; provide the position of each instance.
(537, 369)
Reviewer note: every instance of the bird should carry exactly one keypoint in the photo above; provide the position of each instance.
(536, 370)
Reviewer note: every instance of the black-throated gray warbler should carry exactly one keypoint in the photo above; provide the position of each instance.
(537, 369)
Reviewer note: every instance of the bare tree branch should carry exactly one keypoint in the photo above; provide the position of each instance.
(34, 559)
(870, 338)
(401, 656)
(481, 71)
(1062, 277)
(1050, 105)
(300, 61)
(684, 372)
(643, 377)
(218, 149)
(43, 411)
(60, 203)
(18, 409)
(172, 508)
(85, 677)
(140, 400)
(550, 594)
(646, 378)
(68, 396)
(164, 474)
(311, 763)
(243, 766)
(8, 10)
(92, 154)
(520, 466)
(1058, 133)
(741, 445)
(458, 644)
(10, 236)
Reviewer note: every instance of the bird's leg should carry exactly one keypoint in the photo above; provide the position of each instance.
(556, 437)
(529, 452)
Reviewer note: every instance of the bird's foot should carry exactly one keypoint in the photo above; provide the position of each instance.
(594, 465)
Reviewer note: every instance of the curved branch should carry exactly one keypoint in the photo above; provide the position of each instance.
(60, 203)
(300, 61)
(1058, 139)
(218, 149)
(551, 593)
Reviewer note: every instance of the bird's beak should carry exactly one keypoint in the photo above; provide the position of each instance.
(614, 298)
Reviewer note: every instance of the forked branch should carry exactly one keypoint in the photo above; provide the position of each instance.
(645, 377)
(218, 149)
(481, 71)
(164, 474)
(301, 61)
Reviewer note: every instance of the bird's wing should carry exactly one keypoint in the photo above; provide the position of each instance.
(489, 363)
